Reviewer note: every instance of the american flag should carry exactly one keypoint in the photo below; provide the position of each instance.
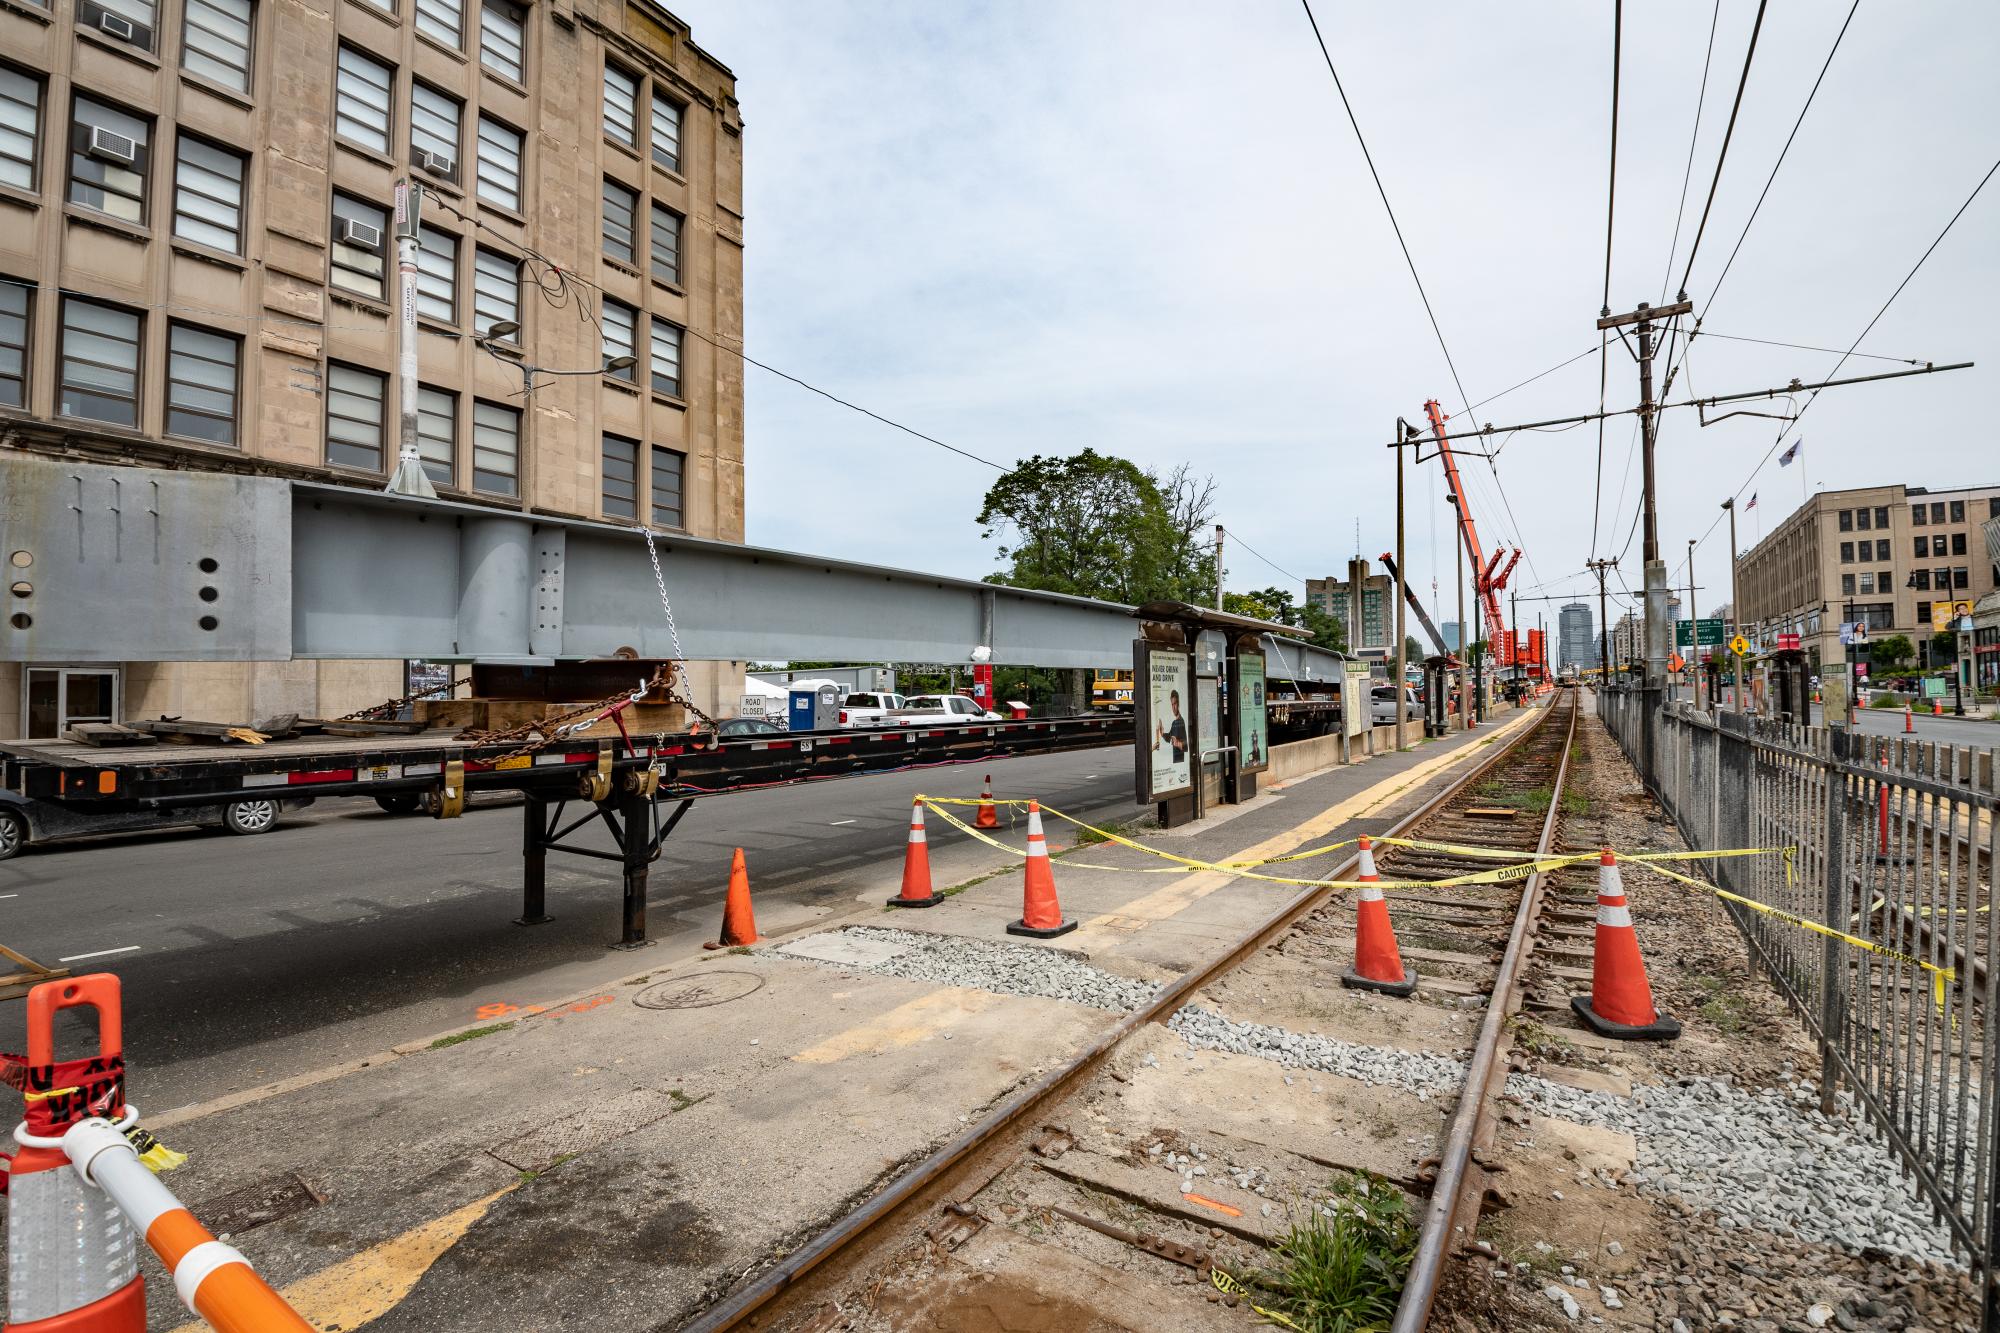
(1753, 502)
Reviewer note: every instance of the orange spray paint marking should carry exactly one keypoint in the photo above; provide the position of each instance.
(1223, 1208)
(495, 1010)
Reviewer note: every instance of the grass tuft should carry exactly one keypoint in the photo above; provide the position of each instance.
(1344, 1273)
(469, 1034)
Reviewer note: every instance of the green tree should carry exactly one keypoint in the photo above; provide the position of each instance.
(1944, 646)
(1412, 650)
(1893, 653)
(1092, 525)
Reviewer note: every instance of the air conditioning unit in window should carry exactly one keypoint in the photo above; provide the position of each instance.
(435, 163)
(114, 25)
(360, 234)
(112, 147)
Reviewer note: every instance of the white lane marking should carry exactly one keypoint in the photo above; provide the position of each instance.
(838, 822)
(101, 953)
(9, 895)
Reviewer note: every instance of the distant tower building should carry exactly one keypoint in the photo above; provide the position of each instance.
(1369, 619)
(1576, 638)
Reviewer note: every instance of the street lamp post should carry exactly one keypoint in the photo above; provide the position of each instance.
(1735, 626)
(508, 328)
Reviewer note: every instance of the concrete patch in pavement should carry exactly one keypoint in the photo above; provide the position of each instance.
(845, 948)
(592, 1127)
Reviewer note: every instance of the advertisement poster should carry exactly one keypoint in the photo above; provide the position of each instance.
(1164, 735)
(1253, 736)
(1208, 716)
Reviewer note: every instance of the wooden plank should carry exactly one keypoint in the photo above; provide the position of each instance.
(1490, 812)
(173, 728)
(108, 733)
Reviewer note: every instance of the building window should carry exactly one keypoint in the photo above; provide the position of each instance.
(621, 106)
(1941, 579)
(1958, 511)
(1917, 515)
(1923, 613)
(437, 432)
(1993, 507)
(669, 466)
(442, 21)
(1847, 553)
(496, 448)
(109, 157)
(1882, 517)
(1920, 580)
(501, 43)
(1959, 577)
(1861, 519)
(356, 401)
(215, 42)
(1937, 511)
(208, 195)
(666, 245)
(360, 238)
(621, 334)
(1923, 545)
(434, 123)
(1847, 520)
(1884, 581)
(666, 132)
(1882, 547)
(666, 358)
(202, 383)
(1847, 585)
(620, 477)
(128, 21)
(437, 275)
(20, 128)
(621, 208)
(100, 363)
(361, 100)
(499, 164)
(16, 301)
(496, 293)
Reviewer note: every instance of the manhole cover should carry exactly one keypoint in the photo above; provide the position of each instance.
(699, 991)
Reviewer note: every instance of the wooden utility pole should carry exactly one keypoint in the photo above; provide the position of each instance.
(1403, 433)
(1657, 633)
(1603, 568)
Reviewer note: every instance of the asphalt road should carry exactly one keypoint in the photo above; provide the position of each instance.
(347, 931)
(1946, 730)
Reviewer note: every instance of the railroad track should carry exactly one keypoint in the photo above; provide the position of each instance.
(1512, 800)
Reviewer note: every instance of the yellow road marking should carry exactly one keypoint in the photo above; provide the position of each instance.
(362, 1289)
(904, 1025)
(1172, 899)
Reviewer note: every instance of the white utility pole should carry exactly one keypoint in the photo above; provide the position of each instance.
(409, 478)
(1218, 566)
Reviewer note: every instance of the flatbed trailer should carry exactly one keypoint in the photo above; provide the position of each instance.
(625, 781)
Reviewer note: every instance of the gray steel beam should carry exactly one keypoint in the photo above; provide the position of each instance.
(304, 570)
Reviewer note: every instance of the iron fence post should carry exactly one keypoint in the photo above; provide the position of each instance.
(1831, 1000)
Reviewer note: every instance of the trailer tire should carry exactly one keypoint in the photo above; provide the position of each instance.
(13, 834)
(404, 803)
(258, 814)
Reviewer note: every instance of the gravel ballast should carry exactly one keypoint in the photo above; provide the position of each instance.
(1000, 966)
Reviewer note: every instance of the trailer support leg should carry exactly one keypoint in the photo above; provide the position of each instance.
(637, 849)
(534, 860)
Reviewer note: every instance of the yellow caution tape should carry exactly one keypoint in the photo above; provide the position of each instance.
(1229, 1286)
(44, 1096)
(1939, 975)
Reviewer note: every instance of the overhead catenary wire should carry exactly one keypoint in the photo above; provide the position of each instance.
(1694, 136)
(1610, 217)
(1729, 131)
(1237, 537)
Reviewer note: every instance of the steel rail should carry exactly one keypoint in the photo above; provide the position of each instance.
(1450, 1192)
(930, 1176)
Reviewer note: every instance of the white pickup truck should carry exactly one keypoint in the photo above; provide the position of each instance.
(868, 708)
(925, 710)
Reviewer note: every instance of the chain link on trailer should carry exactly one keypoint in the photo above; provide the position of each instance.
(686, 696)
(386, 710)
(553, 727)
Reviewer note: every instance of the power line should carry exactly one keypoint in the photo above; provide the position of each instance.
(1237, 538)
(1806, 347)
(1727, 134)
(1694, 135)
(1531, 379)
(1610, 214)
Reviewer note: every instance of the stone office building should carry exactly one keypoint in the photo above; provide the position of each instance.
(196, 271)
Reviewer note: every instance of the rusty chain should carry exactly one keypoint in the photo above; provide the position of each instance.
(386, 711)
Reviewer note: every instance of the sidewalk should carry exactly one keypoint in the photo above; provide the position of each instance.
(617, 1161)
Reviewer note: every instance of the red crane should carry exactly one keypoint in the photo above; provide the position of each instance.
(1488, 576)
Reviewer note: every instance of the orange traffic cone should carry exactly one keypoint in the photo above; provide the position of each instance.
(916, 865)
(1937, 708)
(1377, 964)
(1909, 722)
(739, 924)
(989, 814)
(1620, 1003)
(1041, 914)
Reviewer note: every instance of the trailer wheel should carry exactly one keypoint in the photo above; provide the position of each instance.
(257, 815)
(406, 803)
(13, 834)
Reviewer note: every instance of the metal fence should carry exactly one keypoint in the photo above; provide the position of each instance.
(1896, 845)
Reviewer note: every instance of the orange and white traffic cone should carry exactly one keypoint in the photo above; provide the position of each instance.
(1909, 721)
(1937, 707)
(916, 865)
(739, 923)
(989, 814)
(1378, 966)
(1620, 1003)
(1041, 914)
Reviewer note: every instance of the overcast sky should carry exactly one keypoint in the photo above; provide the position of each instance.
(1148, 228)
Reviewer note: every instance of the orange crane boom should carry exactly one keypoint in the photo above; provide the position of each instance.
(1488, 575)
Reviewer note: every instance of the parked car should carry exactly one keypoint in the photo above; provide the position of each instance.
(925, 710)
(25, 822)
(731, 728)
(1382, 705)
(867, 708)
